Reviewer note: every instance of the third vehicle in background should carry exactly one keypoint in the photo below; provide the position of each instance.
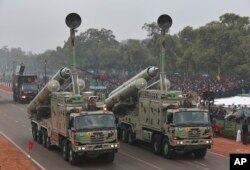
(24, 87)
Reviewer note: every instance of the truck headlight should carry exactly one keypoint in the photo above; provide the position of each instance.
(81, 148)
(207, 141)
(181, 142)
(116, 145)
(112, 146)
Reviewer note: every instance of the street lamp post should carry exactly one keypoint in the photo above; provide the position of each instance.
(13, 67)
(45, 71)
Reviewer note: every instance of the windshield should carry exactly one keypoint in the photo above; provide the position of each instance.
(29, 87)
(96, 121)
(191, 117)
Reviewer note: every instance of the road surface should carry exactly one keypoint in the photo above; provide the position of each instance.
(16, 126)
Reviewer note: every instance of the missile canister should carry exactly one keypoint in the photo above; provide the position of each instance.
(53, 85)
(146, 74)
(126, 90)
(80, 82)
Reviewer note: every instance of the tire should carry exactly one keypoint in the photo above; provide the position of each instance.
(44, 138)
(167, 150)
(14, 97)
(124, 134)
(200, 153)
(119, 133)
(34, 132)
(73, 157)
(157, 147)
(39, 137)
(65, 150)
(131, 137)
(48, 142)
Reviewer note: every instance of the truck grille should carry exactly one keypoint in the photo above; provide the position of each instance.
(194, 133)
(97, 137)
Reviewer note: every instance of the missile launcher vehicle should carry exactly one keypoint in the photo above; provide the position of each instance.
(62, 115)
(165, 119)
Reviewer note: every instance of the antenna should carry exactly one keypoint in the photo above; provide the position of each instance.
(73, 21)
(164, 22)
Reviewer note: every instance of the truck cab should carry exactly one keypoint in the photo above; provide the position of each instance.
(188, 130)
(161, 119)
(95, 131)
(24, 87)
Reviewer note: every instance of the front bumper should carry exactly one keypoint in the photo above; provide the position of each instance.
(192, 142)
(27, 97)
(97, 148)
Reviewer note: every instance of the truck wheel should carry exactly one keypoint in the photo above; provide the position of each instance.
(34, 132)
(48, 143)
(119, 133)
(39, 137)
(131, 137)
(44, 138)
(65, 150)
(124, 135)
(167, 152)
(73, 157)
(14, 97)
(157, 144)
(200, 153)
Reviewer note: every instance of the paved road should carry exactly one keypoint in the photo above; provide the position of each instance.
(14, 123)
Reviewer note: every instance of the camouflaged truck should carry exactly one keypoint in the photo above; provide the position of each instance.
(80, 127)
(64, 116)
(160, 119)
(155, 115)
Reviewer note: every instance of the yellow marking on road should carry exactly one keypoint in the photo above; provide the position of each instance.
(140, 160)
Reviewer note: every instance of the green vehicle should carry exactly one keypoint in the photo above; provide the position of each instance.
(24, 87)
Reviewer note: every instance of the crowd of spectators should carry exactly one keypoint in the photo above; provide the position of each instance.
(203, 83)
(197, 84)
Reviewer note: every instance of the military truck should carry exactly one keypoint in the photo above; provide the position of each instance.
(161, 117)
(64, 117)
(24, 87)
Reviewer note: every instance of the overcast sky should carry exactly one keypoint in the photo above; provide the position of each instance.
(40, 25)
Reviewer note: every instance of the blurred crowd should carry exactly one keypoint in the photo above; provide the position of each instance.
(197, 84)
(201, 84)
